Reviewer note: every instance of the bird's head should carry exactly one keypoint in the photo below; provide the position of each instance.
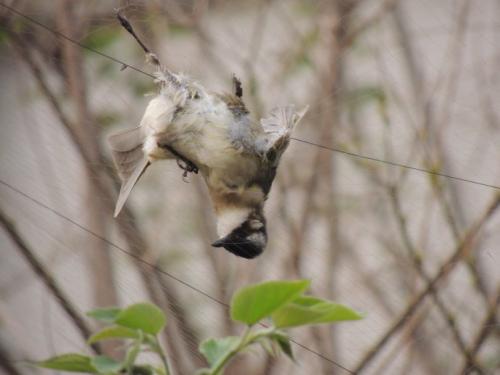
(242, 231)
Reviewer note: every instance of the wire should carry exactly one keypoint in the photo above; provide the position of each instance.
(394, 164)
(59, 34)
(359, 156)
(104, 239)
(112, 244)
(153, 266)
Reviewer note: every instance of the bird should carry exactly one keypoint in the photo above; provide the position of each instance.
(212, 134)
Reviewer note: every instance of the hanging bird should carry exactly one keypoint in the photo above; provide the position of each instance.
(213, 134)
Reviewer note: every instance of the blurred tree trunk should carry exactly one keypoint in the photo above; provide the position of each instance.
(328, 183)
(97, 251)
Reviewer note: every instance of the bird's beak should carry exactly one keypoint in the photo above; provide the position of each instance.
(220, 242)
(239, 247)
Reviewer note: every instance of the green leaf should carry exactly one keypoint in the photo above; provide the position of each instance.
(311, 310)
(216, 349)
(144, 316)
(283, 342)
(106, 365)
(107, 315)
(113, 332)
(255, 302)
(70, 362)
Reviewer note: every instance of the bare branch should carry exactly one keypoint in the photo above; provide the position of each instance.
(385, 8)
(460, 252)
(49, 281)
(488, 326)
(417, 264)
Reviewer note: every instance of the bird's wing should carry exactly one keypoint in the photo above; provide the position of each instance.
(130, 161)
(276, 131)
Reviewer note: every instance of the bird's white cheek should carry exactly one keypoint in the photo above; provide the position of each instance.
(257, 238)
(230, 219)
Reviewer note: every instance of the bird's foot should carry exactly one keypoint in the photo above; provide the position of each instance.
(184, 163)
(187, 166)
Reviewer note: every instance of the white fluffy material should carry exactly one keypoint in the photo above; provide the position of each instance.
(231, 219)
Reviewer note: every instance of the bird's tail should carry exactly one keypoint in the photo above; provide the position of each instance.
(130, 161)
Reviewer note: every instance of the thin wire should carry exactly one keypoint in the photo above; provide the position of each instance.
(59, 34)
(104, 239)
(395, 164)
(136, 257)
(359, 156)
(153, 266)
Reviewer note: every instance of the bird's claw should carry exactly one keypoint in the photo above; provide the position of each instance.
(185, 164)
(188, 167)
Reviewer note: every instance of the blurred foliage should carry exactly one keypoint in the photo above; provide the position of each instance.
(101, 38)
(301, 57)
(106, 119)
(3, 37)
(177, 30)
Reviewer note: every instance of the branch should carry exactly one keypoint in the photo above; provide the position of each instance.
(460, 252)
(487, 327)
(349, 39)
(47, 278)
(416, 78)
(417, 264)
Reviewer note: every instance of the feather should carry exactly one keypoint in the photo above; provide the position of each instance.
(129, 184)
(130, 161)
(277, 129)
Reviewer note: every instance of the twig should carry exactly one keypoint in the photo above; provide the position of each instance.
(47, 278)
(126, 24)
(386, 6)
(408, 333)
(150, 56)
(488, 326)
(417, 264)
(461, 250)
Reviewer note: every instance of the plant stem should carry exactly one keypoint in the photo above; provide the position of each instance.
(158, 350)
(230, 354)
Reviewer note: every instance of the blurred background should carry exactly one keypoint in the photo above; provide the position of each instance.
(409, 82)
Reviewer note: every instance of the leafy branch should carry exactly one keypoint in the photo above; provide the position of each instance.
(281, 304)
